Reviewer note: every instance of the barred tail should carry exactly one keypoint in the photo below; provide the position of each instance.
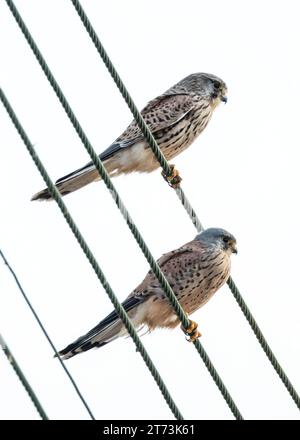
(88, 341)
(70, 183)
(109, 329)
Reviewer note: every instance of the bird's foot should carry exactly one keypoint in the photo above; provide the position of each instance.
(173, 179)
(191, 331)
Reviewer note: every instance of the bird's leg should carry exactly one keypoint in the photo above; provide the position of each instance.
(173, 179)
(191, 331)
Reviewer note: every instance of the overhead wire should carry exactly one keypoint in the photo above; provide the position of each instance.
(92, 260)
(101, 169)
(43, 329)
(22, 378)
(180, 193)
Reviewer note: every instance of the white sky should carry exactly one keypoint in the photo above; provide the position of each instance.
(241, 174)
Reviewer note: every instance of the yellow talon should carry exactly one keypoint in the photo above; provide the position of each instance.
(196, 334)
(173, 179)
(192, 331)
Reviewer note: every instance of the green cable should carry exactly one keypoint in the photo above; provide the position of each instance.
(42, 327)
(97, 269)
(166, 167)
(11, 359)
(102, 171)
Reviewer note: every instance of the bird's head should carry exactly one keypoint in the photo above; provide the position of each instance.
(218, 238)
(206, 84)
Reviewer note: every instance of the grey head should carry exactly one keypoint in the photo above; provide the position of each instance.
(218, 237)
(203, 84)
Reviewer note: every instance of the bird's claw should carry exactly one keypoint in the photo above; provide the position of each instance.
(191, 332)
(173, 179)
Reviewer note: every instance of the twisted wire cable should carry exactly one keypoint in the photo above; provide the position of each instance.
(88, 253)
(181, 195)
(42, 327)
(102, 171)
(22, 378)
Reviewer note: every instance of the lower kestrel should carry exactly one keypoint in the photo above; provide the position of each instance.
(175, 119)
(195, 272)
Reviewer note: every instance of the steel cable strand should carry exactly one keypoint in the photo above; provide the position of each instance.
(85, 248)
(180, 193)
(42, 327)
(22, 378)
(99, 166)
(264, 344)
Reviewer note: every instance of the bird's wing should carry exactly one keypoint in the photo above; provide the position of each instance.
(159, 114)
(128, 304)
(150, 283)
(113, 148)
(96, 336)
(166, 258)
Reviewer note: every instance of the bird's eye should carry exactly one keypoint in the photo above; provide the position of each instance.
(226, 239)
(217, 85)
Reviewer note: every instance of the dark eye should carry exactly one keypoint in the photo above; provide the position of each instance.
(226, 239)
(217, 85)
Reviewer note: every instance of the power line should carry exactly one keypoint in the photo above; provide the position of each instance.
(265, 346)
(88, 253)
(167, 170)
(12, 360)
(44, 329)
(102, 171)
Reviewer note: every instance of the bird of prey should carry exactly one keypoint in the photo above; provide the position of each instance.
(195, 272)
(175, 119)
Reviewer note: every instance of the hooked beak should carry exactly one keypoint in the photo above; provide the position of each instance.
(224, 99)
(234, 249)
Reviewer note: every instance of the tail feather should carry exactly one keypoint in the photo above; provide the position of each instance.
(102, 337)
(84, 175)
(109, 329)
(70, 183)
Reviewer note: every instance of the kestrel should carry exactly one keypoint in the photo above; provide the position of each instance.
(195, 272)
(175, 119)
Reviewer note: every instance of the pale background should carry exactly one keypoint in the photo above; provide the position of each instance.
(242, 174)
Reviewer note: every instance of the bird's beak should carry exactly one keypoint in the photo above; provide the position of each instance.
(234, 248)
(224, 99)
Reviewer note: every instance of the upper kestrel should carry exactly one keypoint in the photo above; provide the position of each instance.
(195, 272)
(175, 119)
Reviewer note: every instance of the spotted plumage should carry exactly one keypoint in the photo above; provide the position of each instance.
(175, 118)
(195, 272)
